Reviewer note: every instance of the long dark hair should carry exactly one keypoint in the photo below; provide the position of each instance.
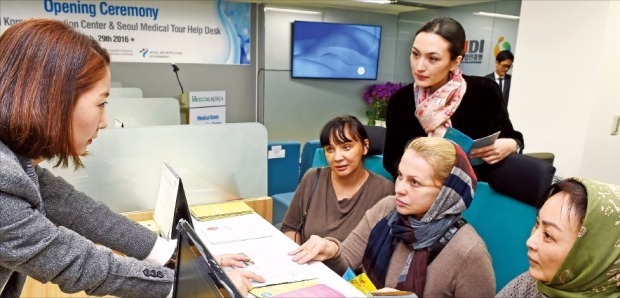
(450, 30)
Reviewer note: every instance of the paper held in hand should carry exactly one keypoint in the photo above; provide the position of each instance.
(467, 143)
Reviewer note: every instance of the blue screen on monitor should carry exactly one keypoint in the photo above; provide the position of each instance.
(335, 51)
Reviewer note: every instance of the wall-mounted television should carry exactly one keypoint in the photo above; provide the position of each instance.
(335, 51)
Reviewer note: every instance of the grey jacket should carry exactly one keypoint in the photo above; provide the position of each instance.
(49, 232)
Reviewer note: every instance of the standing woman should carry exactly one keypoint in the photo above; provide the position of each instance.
(441, 96)
(54, 83)
(398, 241)
(574, 249)
(334, 199)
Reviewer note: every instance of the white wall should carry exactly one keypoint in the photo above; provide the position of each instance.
(602, 150)
(563, 93)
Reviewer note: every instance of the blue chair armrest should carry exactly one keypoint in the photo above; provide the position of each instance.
(281, 202)
(505, 225)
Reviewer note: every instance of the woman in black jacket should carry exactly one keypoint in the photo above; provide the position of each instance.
(442, 97)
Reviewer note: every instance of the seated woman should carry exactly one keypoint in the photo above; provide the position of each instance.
(332, 201)
(574, 249)
(396, 241)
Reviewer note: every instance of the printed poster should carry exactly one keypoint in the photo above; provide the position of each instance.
(205, 32)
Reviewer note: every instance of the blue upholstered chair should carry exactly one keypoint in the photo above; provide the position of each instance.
(307, 156)
(282, 176)
(504, 224)
(282, 171)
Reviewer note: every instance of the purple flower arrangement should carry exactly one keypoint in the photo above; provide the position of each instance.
(377, 97)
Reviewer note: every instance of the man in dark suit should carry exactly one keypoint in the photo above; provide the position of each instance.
(503, 62)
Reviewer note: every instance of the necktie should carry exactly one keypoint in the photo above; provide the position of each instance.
(501, 84)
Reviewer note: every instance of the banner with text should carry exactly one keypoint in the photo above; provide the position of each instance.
(207, 32)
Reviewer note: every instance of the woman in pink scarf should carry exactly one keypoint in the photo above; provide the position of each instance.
(442, 97)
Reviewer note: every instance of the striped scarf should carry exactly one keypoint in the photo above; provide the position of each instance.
(454, 197)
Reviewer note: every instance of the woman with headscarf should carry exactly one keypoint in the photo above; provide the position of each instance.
(396, 243)
(574, 249)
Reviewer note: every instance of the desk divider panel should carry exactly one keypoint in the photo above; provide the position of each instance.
(124, 92)
(216, 163)
(140, 112)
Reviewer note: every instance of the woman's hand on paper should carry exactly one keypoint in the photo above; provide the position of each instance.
(241, 279)
(495, 152)
(233, 260)
(316, 248)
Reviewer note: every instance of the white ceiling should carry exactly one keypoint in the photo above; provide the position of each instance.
(399, 7)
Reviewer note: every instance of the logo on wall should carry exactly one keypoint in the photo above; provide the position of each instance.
(144, 52)
(501, 45)
(474, 51)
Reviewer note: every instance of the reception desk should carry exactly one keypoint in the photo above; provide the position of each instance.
(262, 206)
(268, 249)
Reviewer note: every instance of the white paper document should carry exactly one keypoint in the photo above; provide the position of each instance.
(163, 215)
(234, 229)
(277, 267)
(482, 142)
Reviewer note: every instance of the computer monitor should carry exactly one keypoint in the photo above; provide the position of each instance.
(197, 271)
(171, 205)
(181, 211)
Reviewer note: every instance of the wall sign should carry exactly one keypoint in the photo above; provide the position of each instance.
(207, 32)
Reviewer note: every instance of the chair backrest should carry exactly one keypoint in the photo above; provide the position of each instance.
(376, 137)
(307, 156)
(282, 166)
(505, 225)
(522, 177)
(373, 163)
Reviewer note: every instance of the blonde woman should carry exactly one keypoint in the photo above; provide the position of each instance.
(395, 243)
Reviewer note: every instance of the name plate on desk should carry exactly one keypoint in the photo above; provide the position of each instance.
(207, 115)
(200, 99)
(207, 107)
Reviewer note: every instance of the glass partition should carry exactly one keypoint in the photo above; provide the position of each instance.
(139, 112)
(215, 162)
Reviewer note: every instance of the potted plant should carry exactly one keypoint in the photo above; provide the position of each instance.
(377, 97)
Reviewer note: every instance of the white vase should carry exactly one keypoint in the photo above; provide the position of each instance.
(380, 123)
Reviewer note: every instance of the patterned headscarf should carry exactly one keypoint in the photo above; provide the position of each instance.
(454, 197)
(434, 110)
(592, 267)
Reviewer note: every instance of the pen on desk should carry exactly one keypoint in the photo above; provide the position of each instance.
(249, 261)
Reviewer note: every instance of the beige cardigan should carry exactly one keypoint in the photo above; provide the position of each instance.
(462, 269)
